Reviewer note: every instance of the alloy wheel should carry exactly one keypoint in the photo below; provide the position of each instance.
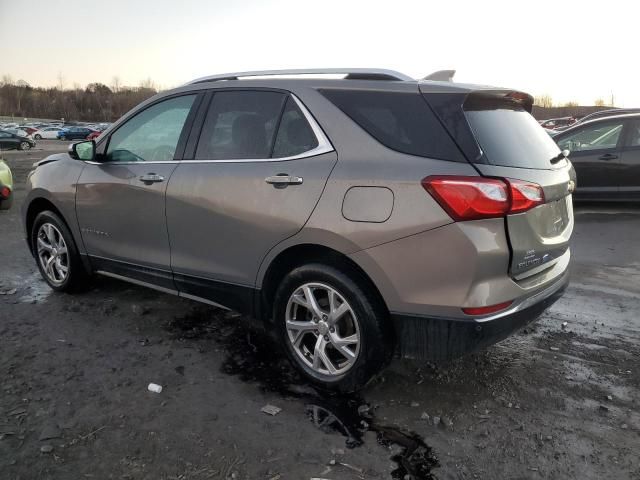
(323, 329)
(53, 254)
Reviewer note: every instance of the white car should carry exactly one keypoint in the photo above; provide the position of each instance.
(49, 133)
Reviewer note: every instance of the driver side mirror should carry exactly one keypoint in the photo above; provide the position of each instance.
(85, 151)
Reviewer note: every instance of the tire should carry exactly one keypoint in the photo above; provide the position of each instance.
(76, 276)
(38, 137)
(366, 319)
(63, 138)
(24, 146)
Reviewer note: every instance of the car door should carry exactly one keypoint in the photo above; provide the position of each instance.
(120, 198)
(8, 141)
(252, 180)
(630, 161)
(596, 156)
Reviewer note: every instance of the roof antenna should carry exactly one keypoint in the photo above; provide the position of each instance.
(441, 76)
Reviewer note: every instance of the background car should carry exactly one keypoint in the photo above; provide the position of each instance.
(94, 135)
(558, 123)
(12, 141)
(606, 156)
(607, 113)
(49, 133)
(28, 129)
(6, 186)
(17, 131)
(74, 133)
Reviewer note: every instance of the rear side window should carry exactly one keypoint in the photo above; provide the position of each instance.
(240, 125)
(401, 121)
(295, 135)
(508, 135)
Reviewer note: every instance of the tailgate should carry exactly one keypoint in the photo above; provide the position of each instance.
(498, 135)
(541, 235)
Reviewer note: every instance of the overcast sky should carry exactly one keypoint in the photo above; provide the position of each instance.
(571, 50)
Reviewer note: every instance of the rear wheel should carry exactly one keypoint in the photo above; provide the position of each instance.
(63, 138)
(38, 137)
(335, 331)
(56, 253)
(24, 146)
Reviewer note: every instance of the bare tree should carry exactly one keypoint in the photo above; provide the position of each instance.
(544, 101)
(599, 102)
(570, 104)
(116, 84)
(7, 80)
(61, 81)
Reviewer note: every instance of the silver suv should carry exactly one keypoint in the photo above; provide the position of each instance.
(357, 217)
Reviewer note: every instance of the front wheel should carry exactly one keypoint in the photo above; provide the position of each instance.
(24, 146)
(63, 138)
(38, 137)
(56, 253)
(335, 330)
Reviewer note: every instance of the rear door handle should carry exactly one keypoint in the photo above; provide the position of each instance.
(151, 178)
(608, 156)
(282, 180)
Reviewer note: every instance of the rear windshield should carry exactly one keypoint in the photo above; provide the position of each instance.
(509, 136)
(401, 121)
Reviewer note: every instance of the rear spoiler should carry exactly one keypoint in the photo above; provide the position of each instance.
(477, 98)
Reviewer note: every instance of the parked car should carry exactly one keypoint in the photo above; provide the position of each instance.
(6, 186)
(28, 130)
(49, 133)
(74, 133)
(558, 123)
(17, 131)
(11, 141)
(607, 113)
(606, 155)
(356, 216)
(94, 135)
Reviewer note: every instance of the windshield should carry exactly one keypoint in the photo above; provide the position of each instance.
(509, 136)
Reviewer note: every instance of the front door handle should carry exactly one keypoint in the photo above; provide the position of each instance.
(150, 178)
(282, 180)
(608, 156)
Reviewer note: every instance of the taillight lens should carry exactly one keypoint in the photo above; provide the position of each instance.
(473, 198)
(524, 195)
(5, 192)
(486, 310)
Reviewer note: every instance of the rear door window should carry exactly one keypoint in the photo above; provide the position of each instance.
(240, 125)
(508, 135)
(295, 135)
(400, 121)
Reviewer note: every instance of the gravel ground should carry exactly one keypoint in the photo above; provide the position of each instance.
(554, 401)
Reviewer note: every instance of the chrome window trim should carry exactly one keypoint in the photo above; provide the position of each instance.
(324, 146)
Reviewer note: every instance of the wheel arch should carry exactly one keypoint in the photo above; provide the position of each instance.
(37, 205)
(303, 254)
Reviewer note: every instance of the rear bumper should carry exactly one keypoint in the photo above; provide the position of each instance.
(439, 339)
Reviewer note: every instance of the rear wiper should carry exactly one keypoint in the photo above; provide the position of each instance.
(562, 155)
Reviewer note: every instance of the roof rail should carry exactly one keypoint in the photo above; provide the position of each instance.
(441, 76)
(351, 73)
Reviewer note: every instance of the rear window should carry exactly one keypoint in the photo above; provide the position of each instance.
(401, 121)
(509, 136)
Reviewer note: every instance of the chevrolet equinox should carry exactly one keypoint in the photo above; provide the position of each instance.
(358, 216)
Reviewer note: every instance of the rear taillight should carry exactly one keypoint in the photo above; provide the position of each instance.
(473, 198)
(5, 192)
(524, 195)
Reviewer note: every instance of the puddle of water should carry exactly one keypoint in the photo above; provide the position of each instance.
(253, 357)
(36, 290)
